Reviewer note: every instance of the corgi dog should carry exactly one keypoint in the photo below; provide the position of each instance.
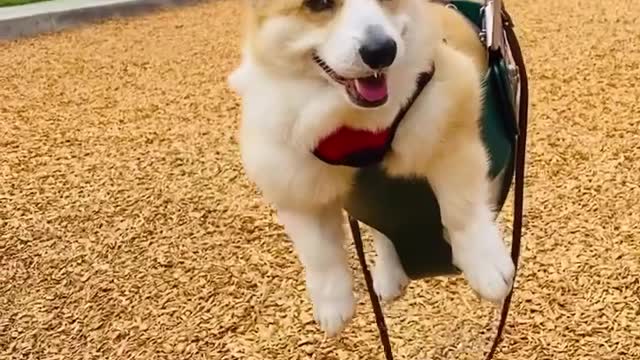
(310, 69)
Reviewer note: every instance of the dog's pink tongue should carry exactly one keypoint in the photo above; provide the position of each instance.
(372, 88)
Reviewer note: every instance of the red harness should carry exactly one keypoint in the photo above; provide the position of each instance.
(361, 148)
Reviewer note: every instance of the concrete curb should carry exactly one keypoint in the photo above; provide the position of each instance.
(56, 15)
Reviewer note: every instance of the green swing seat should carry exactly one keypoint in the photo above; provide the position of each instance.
(406, 210)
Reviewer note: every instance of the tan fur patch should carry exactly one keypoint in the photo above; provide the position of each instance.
(459, 34)
(393, 5)
(265, 9)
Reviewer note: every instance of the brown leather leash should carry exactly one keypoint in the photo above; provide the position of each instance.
(517, 214)
(377, 309)
(520, 160)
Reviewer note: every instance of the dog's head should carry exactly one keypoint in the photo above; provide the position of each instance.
(359, 46)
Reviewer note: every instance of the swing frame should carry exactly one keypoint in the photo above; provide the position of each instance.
(506, 75)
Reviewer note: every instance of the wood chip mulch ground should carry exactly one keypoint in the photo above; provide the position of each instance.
(128, 229)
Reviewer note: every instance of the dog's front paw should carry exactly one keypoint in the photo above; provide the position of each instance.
(389, 281)
(333, 300)
(486, 264)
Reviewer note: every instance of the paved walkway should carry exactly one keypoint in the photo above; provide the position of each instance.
(55, 15)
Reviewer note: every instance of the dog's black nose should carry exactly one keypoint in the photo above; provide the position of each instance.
(378, 50)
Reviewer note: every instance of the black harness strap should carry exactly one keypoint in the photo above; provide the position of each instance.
(423, 79)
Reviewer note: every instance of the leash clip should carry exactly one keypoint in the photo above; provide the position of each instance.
(492, 25)
(494, 36)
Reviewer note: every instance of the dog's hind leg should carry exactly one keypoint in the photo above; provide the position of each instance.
(389, 278)
(318, 237)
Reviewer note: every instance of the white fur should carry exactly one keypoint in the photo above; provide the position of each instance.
(288, 105)
(389, 278)
(341, 48)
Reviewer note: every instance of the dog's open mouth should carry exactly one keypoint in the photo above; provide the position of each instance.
(369, 92)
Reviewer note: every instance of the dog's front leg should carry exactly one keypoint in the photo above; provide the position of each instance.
(318, 238)
(460, 184)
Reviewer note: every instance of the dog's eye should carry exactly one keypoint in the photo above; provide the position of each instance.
(319, 5)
